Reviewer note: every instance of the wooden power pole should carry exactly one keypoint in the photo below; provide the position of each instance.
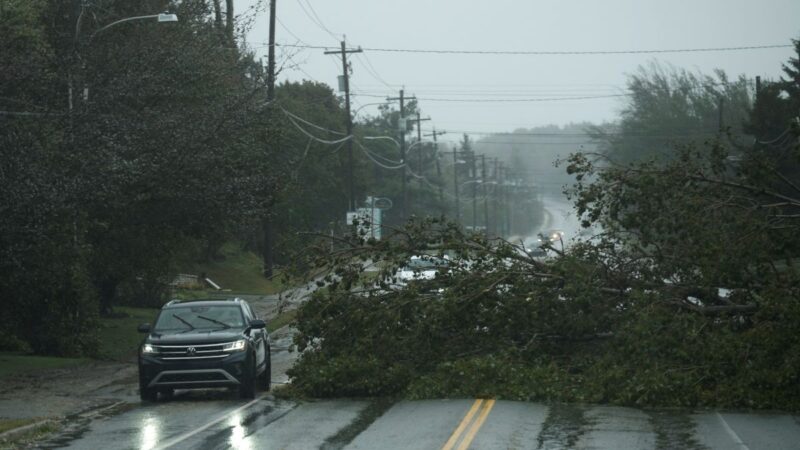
(266, 224)
(402, 129)
(438, 166)
(349, 120)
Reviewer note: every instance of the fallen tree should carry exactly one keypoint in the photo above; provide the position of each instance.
(688, 295)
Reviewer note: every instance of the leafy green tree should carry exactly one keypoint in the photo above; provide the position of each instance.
(669, 107)
(687, 296)
(121, 146)
(175, 122)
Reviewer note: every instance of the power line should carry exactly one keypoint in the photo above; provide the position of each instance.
(508, 92)
(655, 134)
(536, 143)
(320, 22)
(288, 113)
(376, 162)
(558, 53)
(365, 62)
(285, 28)
(316, 22)
(505, 100)
(311, 136)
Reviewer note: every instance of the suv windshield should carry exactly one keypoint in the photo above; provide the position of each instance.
(191, 317)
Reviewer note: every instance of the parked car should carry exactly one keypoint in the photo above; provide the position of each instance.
(422, 267)
(204, 344)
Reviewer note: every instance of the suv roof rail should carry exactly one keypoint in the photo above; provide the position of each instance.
(172, 302)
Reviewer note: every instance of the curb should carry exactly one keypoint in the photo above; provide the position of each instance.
(14, 432)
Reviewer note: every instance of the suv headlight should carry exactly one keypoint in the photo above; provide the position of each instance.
(235, 346)
(147, 348)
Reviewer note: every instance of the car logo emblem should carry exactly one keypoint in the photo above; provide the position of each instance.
(191, 351)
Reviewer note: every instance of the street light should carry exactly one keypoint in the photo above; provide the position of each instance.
(160, 18)
(364, 106)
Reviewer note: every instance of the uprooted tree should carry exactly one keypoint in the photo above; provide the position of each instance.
(688, 296)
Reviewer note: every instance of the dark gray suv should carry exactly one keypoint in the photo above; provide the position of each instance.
(203, 344)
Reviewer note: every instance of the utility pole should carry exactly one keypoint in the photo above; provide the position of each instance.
(271, 57)
(348, 120)
(485, 197)
(418, 120)
(497, 228)
(474, 160)
(266, 225)
(510, 200)
(438, 166)
(719, 119)
(402, 128)
(758, 88)
(455, 184)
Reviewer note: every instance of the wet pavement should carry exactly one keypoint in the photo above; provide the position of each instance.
(218, 420)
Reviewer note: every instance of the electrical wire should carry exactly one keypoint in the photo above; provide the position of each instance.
(386, 159)
(311, 136)
(504, 100)
(288, 113)
(320, 22)
(285, 28)
(560, 53)
(375, 161)
(370, 138)
(371, 69)
(697, 131)
(773, 141)
(315, 22)
(300, 69)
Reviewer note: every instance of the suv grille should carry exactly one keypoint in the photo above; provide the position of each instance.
(186, 352)
(192, 377)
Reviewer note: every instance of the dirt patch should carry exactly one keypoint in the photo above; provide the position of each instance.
(62, 392)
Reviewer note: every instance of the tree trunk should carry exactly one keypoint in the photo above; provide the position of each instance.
(217, 14)
(108, 292)
(229, 19)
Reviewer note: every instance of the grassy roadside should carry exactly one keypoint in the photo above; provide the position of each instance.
(119, 340)
(10, 424)
(281, 320)
(24, 438)
(237, 271)
(12, 363)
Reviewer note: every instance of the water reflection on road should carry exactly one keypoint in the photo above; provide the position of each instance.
(558, 215)
(215, 420)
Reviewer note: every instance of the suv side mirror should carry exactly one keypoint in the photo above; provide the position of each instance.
(144, 328)
(257, 324)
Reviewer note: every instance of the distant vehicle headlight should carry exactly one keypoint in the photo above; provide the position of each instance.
(235, 346)
(147, 348)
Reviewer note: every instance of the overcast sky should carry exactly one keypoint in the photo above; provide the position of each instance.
(532, 25)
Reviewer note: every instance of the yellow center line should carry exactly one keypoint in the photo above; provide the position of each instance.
(487, 407)
(464, 422)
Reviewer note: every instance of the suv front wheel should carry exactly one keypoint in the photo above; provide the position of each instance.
(265, 379)
(248, 387)
(147, 394)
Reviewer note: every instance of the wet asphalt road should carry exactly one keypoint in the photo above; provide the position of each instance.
(217, 420)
